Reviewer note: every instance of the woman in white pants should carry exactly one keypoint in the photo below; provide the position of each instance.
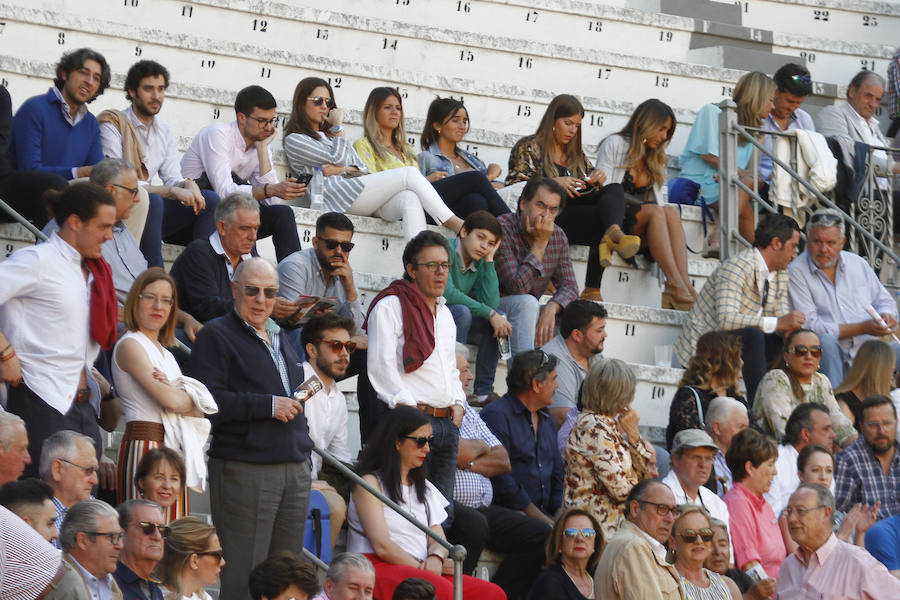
(314, 138)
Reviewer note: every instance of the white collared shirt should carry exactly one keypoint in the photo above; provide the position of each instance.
(326, 415)
(100, 589)
(763, 274)
(435, 383)
(216, 242)
(658, 549)
(714, 505)
(45, 314)
(219, 150)
(872, 135)
(159, 143)
(67, 115)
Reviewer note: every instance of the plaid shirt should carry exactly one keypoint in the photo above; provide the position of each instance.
(473, 489)
(893, 86)
(520, 272)
(858, 478)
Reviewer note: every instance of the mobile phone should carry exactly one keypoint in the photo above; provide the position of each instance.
(304, 179)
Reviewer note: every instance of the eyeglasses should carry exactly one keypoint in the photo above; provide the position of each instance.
(132, 191)
(690, 535)
(661, 509)
(586, 532)
(434, 266)
(147, 528)
(252, 291)
(114, 537)
(801, 78)
(273, 122)
(880, 425)
(219, 554)
(156, 299)
(332, 244)
(318, 100)
(420, 441)
(801, 512)
(814, 351)
(337, 345)
(88, 471)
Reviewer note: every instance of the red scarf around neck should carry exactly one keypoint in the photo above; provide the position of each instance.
(418, 322)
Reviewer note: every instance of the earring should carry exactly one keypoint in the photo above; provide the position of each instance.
(644, 141)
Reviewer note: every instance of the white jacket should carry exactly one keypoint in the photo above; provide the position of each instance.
(188, 435)
(815, 163)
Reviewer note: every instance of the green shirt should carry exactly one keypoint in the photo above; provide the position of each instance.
(477, 288)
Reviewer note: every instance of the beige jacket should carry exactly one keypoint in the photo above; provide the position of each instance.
(630, 570)
(73, 586)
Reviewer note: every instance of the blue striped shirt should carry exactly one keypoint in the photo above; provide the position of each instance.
(305, 153)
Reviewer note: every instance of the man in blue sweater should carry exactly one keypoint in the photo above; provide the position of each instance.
(55, 132)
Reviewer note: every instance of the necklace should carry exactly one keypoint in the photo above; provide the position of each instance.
(579, 583)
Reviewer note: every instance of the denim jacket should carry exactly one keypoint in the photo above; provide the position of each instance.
(433, 159)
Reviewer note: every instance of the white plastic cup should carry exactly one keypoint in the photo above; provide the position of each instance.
(662, 355)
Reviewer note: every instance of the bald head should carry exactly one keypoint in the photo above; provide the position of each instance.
(254, 287)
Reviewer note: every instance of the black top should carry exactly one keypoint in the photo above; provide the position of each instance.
(853, 403)
(742, 580)
(201, 278)
(6, 124)
(553, 582)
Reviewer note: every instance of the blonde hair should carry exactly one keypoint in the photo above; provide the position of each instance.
(562, 106)
(608, 387)
(645, 122)
(187, 536)
(373, 130)
(152, 275)
(872, 370)
(751, 94)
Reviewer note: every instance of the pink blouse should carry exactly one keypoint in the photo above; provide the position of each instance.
(754, 530)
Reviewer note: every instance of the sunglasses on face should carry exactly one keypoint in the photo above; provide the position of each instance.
(147, 528)
(218, 554)
(252, 291)
(345, 246)
(586, 532)
(318, 100)
(420, 441)
(814, 351)
(337, 345)
(690, 535)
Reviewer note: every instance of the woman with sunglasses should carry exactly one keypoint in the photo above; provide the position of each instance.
(192, 559)
(160, 478)
(393, 462)
(871, 374)
(602, 465)
(573, 550)
(795, 379)
(719, 561)
(690, 544)
(314, 139)
(143, 371)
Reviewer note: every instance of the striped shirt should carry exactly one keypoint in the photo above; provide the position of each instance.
(27, 562)
(305, 153)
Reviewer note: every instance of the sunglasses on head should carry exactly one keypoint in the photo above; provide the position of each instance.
(586, 532)
(147, 528)
(337, 345)
(252, 291)
(318, 100)
(814, 351)
(332, 244)
(690, 535)
(420, 441)
(801, 78)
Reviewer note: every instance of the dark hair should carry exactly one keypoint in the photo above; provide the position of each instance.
(280, 571)
(787, 80)
(141, 70)
(253, 96)
(414, 588)
(422, 240)
(873, 401)
(298, 122)
(578, 314)
(534, 184)
(313, 331)
(482, 219)
(553, 547)
(333, 220)
(527, 366)
(23, 492)
(808, 451)
(639, 492)
(126, 509)
(780, 363)
(772, 226)
(749, 445)
(74, 60)
(439, 111)
(861, 78)
(81, 199)
(380, 455)
(154, 456)
(800, 419)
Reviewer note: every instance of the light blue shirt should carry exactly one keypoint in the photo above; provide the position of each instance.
(828, 305)
(799, 120)
(433, 159)
(100, 589)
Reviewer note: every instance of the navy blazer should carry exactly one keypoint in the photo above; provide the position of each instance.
(234, 363)
(201, 278)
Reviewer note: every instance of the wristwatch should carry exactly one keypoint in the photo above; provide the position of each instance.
(337, 129)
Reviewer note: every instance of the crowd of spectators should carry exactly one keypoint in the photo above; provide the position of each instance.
(225, 372)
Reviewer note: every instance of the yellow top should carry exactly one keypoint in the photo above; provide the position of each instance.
(375, 163)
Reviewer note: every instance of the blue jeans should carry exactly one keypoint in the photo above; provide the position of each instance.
(835, 361)
(480, 332)
(168, 217)
(522, 312)
(441, 461)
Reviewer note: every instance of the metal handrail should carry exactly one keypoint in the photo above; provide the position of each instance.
(38, 234)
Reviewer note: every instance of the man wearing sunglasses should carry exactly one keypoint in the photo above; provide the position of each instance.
(259, 452)
(836, 290)
(143, 524)
(92, 541)
(237, 157)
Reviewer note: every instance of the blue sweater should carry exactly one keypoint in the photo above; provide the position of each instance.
(44, 141)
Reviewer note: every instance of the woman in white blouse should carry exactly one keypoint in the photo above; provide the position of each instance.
(192, 559)
(314, 138)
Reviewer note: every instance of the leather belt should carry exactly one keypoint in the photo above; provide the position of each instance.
(145, 430)
(440, 413)
(83, 395)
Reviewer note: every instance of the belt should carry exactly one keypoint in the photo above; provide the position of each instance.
(83, 395)
(145, 430)
(60, 573)
(440, 413)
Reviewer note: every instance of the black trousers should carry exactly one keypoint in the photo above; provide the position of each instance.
(278, 221)
(499, 529)
(24, 191)
(758, 351)
(586, 218)
(468, 192)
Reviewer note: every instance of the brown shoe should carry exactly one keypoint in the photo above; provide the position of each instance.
(592, 294)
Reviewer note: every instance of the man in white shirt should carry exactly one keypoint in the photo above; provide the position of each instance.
(350, 576)
(809, 423)
(412, 351)
(236, 157)
(47, 344)
(92, 540)
(692, 463)
(178, 203)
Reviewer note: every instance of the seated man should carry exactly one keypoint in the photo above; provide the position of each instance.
(824, 566)
(747, 294)
(31, 567)
(534, 253)
(69, 465)
(725, 418)
(14, 454)
(32, 501)
(178, 204)
(692, 464)
(522, 423)
(792, 85)
(143, 524)
(835, 290)
(283, 575)
(236, 157)
(350, 576)
(883, 542)
(91, 540)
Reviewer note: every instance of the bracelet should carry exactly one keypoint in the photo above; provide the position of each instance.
(8, 346)
(265, 191)
(9, 356)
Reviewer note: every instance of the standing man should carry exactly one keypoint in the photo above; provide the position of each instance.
(57, 304)
(236, 157)
(748, 294)
(259, 453)
(350, 576)
(412, 358)
(792, 85)
(143, 524)
(178, 203)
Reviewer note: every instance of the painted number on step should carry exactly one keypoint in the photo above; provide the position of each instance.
(187, 11)
(666, 36)
(623, 277)
(658, 391)
(462, 6)
(525, 63)
(629, 329)
(385, 244)
(867, 64)
(595, 26)
(820, 15)
(595, 120)
(321, 34)
(260, 25)
(869, 21)
(336, 82)
(388, 44)
(466, 56)
(9, 249)
(604, 73)
(809, 56)
(531, 16)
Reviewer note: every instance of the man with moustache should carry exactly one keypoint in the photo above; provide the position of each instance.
(145, 530)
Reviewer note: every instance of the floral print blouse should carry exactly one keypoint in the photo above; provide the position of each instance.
(525, 161)
(601, 469)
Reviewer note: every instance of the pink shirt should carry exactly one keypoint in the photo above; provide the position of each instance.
(755, 534)
(836, 571)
